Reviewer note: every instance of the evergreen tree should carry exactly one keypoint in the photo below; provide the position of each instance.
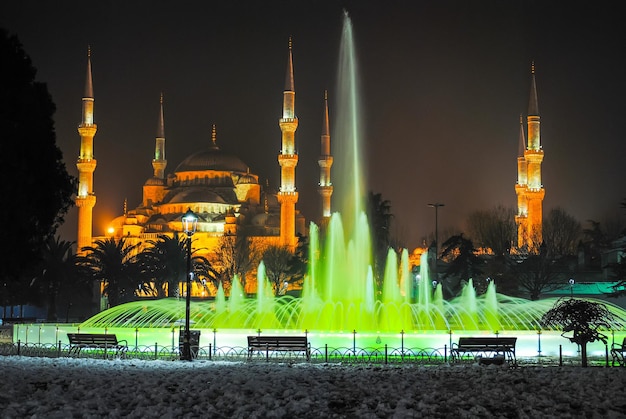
(31, 164)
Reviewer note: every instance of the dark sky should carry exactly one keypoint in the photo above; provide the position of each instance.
(443, 85)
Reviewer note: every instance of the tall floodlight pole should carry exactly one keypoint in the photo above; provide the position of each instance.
(190, 222)
(436, 207)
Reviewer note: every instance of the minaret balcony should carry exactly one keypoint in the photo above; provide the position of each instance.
(288, 160)
(325, 161)
(287, 192)
(88, 201)
(86, 165)
(288, 124)
(87, 130)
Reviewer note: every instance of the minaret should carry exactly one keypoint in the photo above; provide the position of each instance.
(521, 219)
(86, 164)
(154, 188)
(288, 160)
(159, 163)
(325, 162)
(530, 230)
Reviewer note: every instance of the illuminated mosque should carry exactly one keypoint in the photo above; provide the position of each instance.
(216, 185)
(229, 199)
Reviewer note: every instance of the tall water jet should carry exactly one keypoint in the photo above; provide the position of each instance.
(351, 180)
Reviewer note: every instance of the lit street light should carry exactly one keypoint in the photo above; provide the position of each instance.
(190, 222)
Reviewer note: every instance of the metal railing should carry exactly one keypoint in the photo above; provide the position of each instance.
(384, 355)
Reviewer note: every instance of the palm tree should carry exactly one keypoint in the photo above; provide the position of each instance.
(57, 269)
(164, 265)
(111, 263)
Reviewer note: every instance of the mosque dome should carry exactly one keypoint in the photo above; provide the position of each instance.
(247, 179)
(212, 159)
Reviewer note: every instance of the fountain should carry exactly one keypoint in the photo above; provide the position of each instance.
(339, 299)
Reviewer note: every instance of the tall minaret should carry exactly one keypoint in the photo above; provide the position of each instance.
(531, 194)
(288, 160)
(159, 163)
(86, 164)
(154, 188)
(325, 162)
(521, 219)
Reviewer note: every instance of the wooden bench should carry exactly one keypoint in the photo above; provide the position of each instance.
(79, 341)
(487, 350)
(269, 344)
(617, 352)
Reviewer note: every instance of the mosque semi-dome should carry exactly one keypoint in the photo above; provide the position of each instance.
(199, 194)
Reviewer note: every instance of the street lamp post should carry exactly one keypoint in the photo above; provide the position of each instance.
(190, 222)
(436, 206)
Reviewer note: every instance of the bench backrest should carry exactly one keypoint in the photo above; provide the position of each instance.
(92, 339)
(487, 342)
(277, 341)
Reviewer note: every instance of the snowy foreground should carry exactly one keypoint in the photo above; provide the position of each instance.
(66, 387)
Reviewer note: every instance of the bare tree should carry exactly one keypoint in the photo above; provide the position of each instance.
(539, 273)
(561, 233)
(277, 261)
(493, 229)
(236, 255)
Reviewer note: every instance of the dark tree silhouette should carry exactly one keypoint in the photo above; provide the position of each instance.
(463, 263)
(235, 255)
(31, 164)
(617, 269)
(163, 265)
(493, 229)
(541, 273)
(299, 263)
(111, 263)
(584, 319)
(561, 233)
(56, 271)
(380, 217)
(277, 261)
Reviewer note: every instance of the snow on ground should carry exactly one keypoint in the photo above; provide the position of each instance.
(67, 387)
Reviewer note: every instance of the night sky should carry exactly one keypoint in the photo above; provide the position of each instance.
(443, 86)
